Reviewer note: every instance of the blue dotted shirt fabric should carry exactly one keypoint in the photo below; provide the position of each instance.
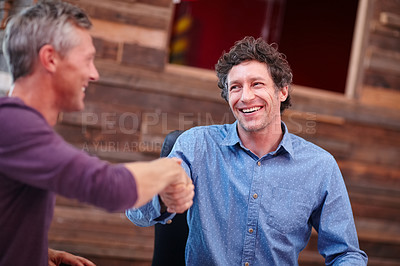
(260, 211)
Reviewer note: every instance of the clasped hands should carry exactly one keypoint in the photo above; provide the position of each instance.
(178, 196)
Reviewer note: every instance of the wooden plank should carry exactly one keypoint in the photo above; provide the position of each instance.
(390, 19)
(368, 204)
(312, 100)
(109, 117)
(122, 156)
(387, 81)
(385, 40)
(106, 49)
(381, 245)
(93, 231)
(136, 55)
(374, 176)
(381, 97)
(354, 133)
(370, 154)
(379, 231)
(124, 33)
(183, 85)
(348, 141)
(5, 7)
(310, 258)
(101, 129)
(380, 6)
(379, 29)
(116, 150)
(160, 102)
(383, 60)
(145, 14)
(164, 3)
(156, 126)
(94, 140)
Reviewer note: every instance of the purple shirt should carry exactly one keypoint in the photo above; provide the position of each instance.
(35, 164)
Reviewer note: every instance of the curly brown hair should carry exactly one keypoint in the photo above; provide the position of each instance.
(248, 49)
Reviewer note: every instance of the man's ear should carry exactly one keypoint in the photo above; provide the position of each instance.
(48, 57)
(284, 92)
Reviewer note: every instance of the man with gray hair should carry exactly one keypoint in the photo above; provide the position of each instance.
(50, 54)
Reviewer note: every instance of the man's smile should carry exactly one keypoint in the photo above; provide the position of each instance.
(250, 110)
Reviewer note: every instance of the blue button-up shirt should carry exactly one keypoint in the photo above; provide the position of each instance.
(260, 211)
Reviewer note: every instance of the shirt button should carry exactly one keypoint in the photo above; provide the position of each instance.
(258, 163)
(255, 195)
(251, 230)
(246, 264)
(169, 221)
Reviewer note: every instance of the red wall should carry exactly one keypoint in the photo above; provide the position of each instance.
(315, 35)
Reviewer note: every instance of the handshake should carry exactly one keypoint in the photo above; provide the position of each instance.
(166, 178)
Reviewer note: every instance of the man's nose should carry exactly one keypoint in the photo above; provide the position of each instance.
(247, 93)
(94, 74)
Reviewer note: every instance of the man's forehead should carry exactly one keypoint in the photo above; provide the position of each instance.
(241, 71)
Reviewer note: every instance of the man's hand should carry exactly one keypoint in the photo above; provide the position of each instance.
(57, 257)
(178, 197)
(154, 177)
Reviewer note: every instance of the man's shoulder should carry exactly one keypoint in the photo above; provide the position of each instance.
(15, 106)
(217, 132)
(197, 141)
(19, 120)
(306, 147)
(10, 101)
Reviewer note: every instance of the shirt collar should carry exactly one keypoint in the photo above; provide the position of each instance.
(232, 138)
(286, 142)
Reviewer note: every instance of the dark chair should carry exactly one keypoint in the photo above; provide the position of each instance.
(170, 239)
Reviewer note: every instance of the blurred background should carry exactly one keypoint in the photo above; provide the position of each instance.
(156, 61)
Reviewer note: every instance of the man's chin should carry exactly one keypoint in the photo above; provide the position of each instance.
(250, 128)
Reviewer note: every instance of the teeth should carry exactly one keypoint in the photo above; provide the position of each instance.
(250, 110)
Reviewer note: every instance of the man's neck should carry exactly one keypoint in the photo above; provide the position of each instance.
(34, 95)
(262, 142)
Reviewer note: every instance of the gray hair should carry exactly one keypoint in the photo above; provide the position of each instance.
(47, 22)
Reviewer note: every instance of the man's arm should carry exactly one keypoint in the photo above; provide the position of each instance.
(334, 222)
(161, 175)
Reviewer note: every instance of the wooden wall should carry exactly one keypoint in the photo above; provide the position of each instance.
(140, 98)
(381, 64)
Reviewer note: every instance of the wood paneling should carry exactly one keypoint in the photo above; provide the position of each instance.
(134, 54)
(92, 232)
(381, 84)
(125, 33)
(140, 98)
(140, 13)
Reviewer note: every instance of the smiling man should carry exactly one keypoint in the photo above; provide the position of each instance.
(259, 189)
(50, 54)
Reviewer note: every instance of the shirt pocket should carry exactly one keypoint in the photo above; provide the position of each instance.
(288, 210)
